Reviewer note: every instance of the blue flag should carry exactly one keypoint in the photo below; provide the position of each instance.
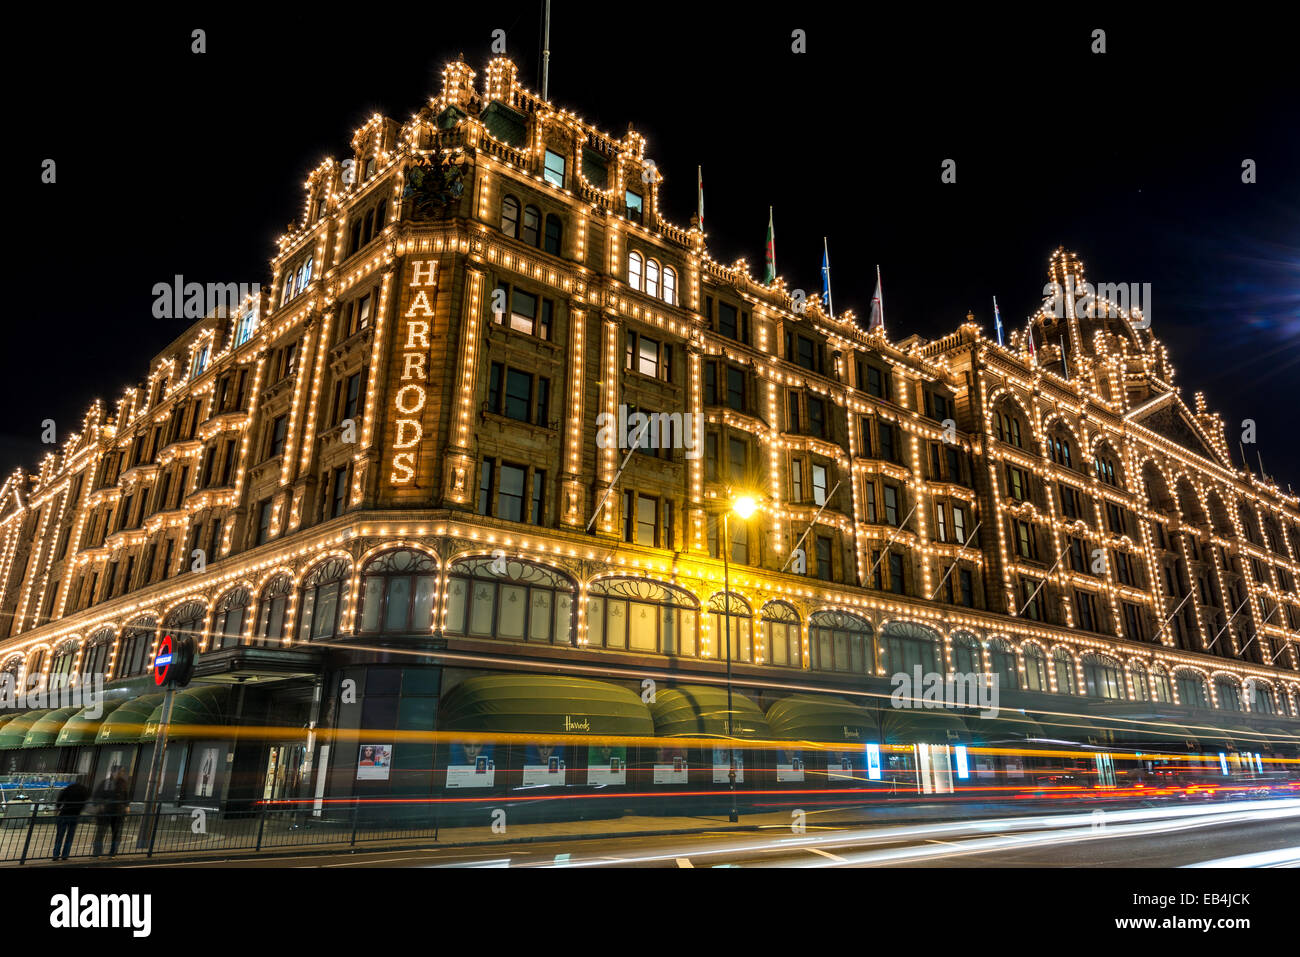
(826, 279)
(997, 319)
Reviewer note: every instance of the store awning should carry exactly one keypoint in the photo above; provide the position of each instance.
(815, 718)
(701, 710)
(81, 729)
(1009, 727)
(126, 722)
(921, 726)
(43, 732)
(544, 704)
(14, 731)
(196, 713)
(1153, 733)
(1073, 729)
(7, 716)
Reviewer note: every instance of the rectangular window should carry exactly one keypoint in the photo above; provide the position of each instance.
(736, 389)
(634, 203)
(816, 417)
(824, 564)
(1134, 620)
(941, 524)
(711, 456)
(954, 465)
(967, 587)
(263, 526)
(871, 501)
(865, 428)
(510, 493)
(805, 353)
(1085, 605)
(1016, 485)
(523, 311)
(959, 524)
(792, 403)
(519, 395)
(887, 442)
(352, 405)
(340, 499)
(279, 429)
(710, 384)
(877, 383)
(896, 573)
(553, 169)
(891, 505)
(648, 357)
(819, 484)
(1024, 540)
(539, 493)
(736, 459)
(485, 488)
(728, 320)
(796, 480)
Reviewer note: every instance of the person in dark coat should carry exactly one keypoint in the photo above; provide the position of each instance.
(111, 797)
(68, 807)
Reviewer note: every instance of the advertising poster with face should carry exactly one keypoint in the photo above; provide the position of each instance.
(607, 765)
(722, 766)
(842, 765)
(544, 765)
(789, 765)
(670, 766)
(374, 761)
(472, 765)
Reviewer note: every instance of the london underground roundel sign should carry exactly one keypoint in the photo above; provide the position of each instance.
(162, 662)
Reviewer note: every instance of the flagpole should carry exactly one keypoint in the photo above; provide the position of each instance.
(997, 319)
(826, 277)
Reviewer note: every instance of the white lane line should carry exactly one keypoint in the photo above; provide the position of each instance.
(684, 862)
(1282, 857)
(948, 843)
(818, 850)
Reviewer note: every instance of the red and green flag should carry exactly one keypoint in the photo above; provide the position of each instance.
(769, 275)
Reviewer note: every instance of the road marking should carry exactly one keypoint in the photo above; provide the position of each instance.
(950, 843)
(684, 862)
(818, 850)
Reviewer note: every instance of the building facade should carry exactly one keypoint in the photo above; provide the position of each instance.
(410, 460)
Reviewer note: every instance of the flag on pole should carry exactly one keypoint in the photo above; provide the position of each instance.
(997, 319)
(769, 275)
(1032, 354)
(826, 279)
(699, 186)
(877, 323)
(1065, 365)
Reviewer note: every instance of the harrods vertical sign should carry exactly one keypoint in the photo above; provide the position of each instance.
(410, 370)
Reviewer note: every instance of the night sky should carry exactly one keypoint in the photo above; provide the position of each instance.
(170, 162)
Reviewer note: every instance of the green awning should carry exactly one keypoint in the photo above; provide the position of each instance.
(1009, 727)
(14, 731)
(1073, 729)
(43, 732)
(814, 718)
(700, 710)
(195, 714)
(7, 716)
(1157, 734)
(922, 726)
(126, 722)
(80, 729)
(544, 704)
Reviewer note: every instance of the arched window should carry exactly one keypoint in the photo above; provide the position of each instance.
(905, 645)
(670, 285)
(1060, 447)
(1106, 468)
(1248, 524)
(1103, 677)
(11, 668)
(510, 217)
(532, 233)
(1141, 686)
(321, 600)
(642, 615)
(228, 619)
(134, 648)
(966, 657)
(1035, 669)
(1164, 693)
(1219, 516)
(732, 612)
(522, 602)
(651, 278)
(1003, 657)
(1063, 666)
(840, 642)
(1191, 689)
(634, 269)
(61, 666)
(1188, 504)
(397, 593)
(554, 234)
(94, 660)
(186, 621)
(784, 646)
(1009, 425)
(272, 608)
(34, 665)
(1262, 700)
(1228, 693)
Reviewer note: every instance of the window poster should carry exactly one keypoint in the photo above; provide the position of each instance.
(789, 765)
(544, 765)
(1015, 767)
(607, 765)
(374, 762)
(722, 766)
(472, 765)
(670, 766)
(207, 773)
(841, 765)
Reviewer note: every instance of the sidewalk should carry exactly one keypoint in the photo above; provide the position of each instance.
(231, 845)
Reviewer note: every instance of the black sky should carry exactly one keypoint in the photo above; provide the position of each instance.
(170, 162)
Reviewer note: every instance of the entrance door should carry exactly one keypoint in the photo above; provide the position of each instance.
(283, 772)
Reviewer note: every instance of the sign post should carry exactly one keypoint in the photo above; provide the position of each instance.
(173, 666)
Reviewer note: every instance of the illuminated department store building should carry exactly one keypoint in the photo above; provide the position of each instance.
(389, 462)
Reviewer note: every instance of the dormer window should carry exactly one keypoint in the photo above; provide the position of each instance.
(296, 280)
(200, 360)
(244, 328)
(553, 169)
(634, 204)
(371, 166)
